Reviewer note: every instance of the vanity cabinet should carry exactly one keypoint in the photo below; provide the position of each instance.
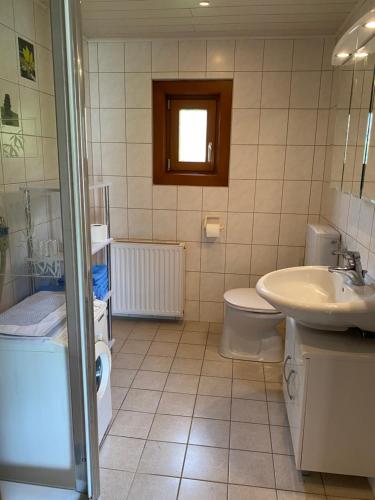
(329, 391)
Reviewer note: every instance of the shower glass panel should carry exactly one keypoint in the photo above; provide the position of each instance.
(48, 431)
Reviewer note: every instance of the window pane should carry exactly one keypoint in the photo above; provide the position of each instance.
(192, 139)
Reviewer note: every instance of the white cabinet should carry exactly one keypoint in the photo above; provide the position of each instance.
(329, 390)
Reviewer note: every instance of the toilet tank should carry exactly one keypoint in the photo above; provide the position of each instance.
(321, 241)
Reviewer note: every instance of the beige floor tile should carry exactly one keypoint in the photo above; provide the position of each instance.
(208, 432)
(347, 486)
(196, 326)
(187, 384)
(289, 478)
(118, 396)
(215, 386)
(192, 489)
(115, 484)
(251, 437)
(121, 453)
(248, 410)
(213, 339)
(217, 369)
(162, 349)
(187, 366)
(190, 351)
(121, 377)
(117, 345)
(212, 407)
(135, 347)
(294, 495)
(157, 363)
(172, 403)
(168, 336)
(171, 325)
(128, 361)
(142, 335)
(212, 354)
(248, 370)
(162, 458)
(122, 326)
(277, 414)
(131, 424)
(274, 392)
(251, 468)
(215, 328)
(147, 487)
(141, 400)
(236, 492)
(248, 389)
(273, 372)
(281, 440)
(146, 326)
(149, 380)
(172, 428)
(210, 464)
(194, 338)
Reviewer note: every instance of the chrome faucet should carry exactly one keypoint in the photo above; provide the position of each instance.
(353, 270)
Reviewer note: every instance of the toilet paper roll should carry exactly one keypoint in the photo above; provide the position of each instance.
(212, 230)
(99, 232)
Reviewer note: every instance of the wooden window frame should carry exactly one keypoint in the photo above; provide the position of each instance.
(168, 98)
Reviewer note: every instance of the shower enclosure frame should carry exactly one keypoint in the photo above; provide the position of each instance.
(71, 138)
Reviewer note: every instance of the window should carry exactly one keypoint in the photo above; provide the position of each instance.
(191, 132)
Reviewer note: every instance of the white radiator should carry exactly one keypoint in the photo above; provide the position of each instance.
(148, 279)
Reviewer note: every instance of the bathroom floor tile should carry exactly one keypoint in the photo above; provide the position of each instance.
(248, 410)
(289, 478)
(131, 424)
(196, 326)
(277, 414)
(135, 347)
(121, 453)
(142, 400)
(248, 389)
(274, 392)
(248, 370)
(273, 372)
(215, 386)
(187, 384)
(142, 335)
(236, 492)
(217, 369)
(118, 396)
(172, 403)
(281, 440)
(208, 432)
(149, 380)
(146, 486)
(347, 486)
(252, 437)
(171, 428)
(202, 490)
(251, 468)
(162, 458)
(212, 354)
(212, 407)
(162, 349)
(121, 377)
(187, 366)
(190, 351)
(168, 336)
(115, 484)
(157, 363)
(194, 338)
(128, 361)
(210, 464)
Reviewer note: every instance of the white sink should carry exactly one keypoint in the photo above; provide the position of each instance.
(319, 299)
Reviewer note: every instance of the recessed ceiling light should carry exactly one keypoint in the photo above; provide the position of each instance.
(360, 54)
(204, 4)
(370, 25)
(342, 55)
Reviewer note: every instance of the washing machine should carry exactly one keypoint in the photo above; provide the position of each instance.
(103, 364)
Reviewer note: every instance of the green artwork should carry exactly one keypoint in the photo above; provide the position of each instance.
(8, 117)
(27, 59)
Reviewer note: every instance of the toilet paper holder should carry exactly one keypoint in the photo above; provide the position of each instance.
(211, 222)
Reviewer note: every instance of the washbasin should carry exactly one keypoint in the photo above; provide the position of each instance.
(319, 299)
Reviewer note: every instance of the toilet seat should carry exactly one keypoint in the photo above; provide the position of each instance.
(247, 299)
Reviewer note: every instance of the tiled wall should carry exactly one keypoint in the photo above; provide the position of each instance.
(280, 116)
(36, 162)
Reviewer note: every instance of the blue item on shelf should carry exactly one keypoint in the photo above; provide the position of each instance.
(100, 280)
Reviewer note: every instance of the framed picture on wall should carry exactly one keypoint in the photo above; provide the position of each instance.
(27, 59)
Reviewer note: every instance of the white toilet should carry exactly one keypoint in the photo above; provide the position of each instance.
(250, 323)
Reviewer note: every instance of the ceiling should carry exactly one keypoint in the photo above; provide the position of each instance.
(185, 18)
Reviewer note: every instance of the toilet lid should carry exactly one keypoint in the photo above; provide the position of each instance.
(247, 299)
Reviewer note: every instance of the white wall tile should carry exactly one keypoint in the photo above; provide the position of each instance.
(43, 27)
(268, 196)
(8, 66)
(193, 256)
(137, 56)
(212, 287)
(293, 230)
(243, 162)
(138, 90)
(271, 161)
(276, 89)
(305, 89)
(94, 90)
(48, 115)
(308, 54)
(233, 281)
(263, 259)
(139, 160)
(273, 126)
(302, 127)
(290, 257)
(212, 258)
(113, 158)
(112, 90)
(111, 57)
(119, 223)
(247, 89)
(245, 126)
(241, 196)
(138, 125)
(215, 199)
(140, 224)
(249, 55)
(192, 55)
(220, 55)
(164, 197)
(164, 55)
(211, 311)
(164, 225)
(192, 285)
(24, 18)
(139, 192)
(118, 192)
(45, 70)
(112, 125)
(6, 13)
(278, 55)
(189, 197)
(189, 225)
(237, 259)
(239, 228)
(266, 229)
(93, 57)
(296, 196)
(299, 162)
